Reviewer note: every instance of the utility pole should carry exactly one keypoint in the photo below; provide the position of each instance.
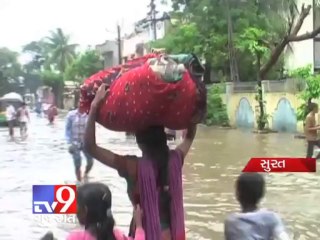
(119, 43)
(234, 72)
(153, 20)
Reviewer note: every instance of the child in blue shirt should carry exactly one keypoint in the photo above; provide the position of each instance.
(253, 223)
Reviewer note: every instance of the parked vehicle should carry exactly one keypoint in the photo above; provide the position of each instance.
(15, 100)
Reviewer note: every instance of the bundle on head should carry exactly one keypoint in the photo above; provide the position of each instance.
(147, 93)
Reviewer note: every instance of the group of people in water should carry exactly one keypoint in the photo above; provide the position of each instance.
(20, 116)
(154, 187)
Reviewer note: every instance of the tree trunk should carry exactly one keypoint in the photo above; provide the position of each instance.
(276, 53)
(261, 122)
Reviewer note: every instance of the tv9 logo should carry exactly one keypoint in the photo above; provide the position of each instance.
(54, 199)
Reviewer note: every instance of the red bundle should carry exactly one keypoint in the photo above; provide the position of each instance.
(140, 98)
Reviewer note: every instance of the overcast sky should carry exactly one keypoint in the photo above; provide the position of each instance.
(89, 22)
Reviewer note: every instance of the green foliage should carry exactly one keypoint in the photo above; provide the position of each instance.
(52, 52)
(52, 79)
(303, 72)
(10, 70)
(40, 56)
(84, 66)
(261, 25)
(311, 91)
(62, 52)
(216, 110)
(253, 40)
(180, 39)
(50, 58)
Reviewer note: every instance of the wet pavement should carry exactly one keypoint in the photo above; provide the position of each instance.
(216, 159)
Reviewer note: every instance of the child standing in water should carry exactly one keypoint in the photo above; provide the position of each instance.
(253, 223)
(94, 213)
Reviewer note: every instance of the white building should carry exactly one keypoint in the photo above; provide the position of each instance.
(109, 51)
(308, 51)
(136, 42)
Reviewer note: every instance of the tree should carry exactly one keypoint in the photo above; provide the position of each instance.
(180, 39)
(40, 55)
(253, 40)
(85, 65)
(62, 53)
(311, 90)
(280, 19)
(295, 21)
(217, 110)
(10, 70)
(54, 80)
(263, 30)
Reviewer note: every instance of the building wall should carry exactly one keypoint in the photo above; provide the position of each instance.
(281, 106)
(302, 53)
(145, 36)
(109, 53)
(317, 54)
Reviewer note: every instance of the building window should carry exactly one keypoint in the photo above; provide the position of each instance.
(317, 54)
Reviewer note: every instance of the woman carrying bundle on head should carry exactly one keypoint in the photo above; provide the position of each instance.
(154, 180)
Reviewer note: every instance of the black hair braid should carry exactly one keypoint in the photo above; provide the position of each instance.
(105, 229)
(155, 141)
(106, 226)
(96, 197)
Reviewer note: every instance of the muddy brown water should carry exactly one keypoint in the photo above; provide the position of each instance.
(216, 159)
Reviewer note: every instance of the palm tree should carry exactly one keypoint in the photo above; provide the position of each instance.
(61, 51)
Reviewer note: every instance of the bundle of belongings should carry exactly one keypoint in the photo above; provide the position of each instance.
(156, 89)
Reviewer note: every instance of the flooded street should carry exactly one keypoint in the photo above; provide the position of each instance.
(216, 159)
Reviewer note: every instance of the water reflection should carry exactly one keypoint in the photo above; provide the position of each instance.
(216, 159)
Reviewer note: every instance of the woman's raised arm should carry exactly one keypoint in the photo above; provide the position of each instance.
(101, 154)
(185, 146)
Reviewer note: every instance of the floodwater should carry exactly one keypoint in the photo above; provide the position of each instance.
(216, 159)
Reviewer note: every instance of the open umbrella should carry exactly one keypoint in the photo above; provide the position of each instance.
(12, 97)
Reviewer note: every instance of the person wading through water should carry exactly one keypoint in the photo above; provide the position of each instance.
(154, 180)
(75, 130)
(311, 130)
(23, 117)
(11, 118)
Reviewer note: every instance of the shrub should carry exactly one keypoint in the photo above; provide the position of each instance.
(216, 109)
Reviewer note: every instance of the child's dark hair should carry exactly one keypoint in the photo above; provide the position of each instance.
(96, 199)
(154, 140)
(312, 106)
(250, 188)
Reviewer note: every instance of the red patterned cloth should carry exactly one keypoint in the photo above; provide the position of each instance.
(140, 98)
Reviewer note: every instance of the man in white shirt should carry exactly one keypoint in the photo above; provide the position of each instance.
(11, 117)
